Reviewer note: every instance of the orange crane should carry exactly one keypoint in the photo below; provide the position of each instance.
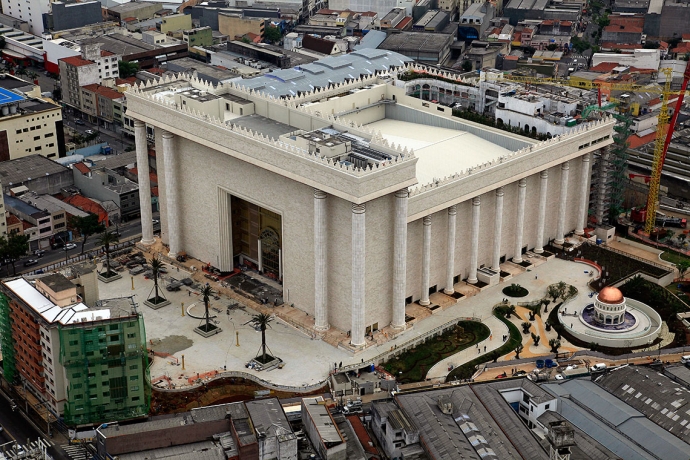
(664, 128)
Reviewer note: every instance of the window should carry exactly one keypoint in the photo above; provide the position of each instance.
(134, 388)
(49, 135)
(37, 138)
(134, 377)
(133, 367)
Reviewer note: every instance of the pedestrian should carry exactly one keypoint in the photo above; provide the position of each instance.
(484, 348)
(536, 276)
(362, 359)
(341, 364)
(479, 351)
(189, 293)
(491, 337)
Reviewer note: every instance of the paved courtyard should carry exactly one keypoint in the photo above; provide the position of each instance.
(307, 360)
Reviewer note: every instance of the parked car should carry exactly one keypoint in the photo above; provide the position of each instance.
(70, 246)
(173, 286)
(39, 252)
(90, 131)
(520, 373)
(78, 122)
(30, 262)
(155, 221)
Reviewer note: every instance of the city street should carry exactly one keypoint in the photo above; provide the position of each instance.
(117, 140)
(51, 256)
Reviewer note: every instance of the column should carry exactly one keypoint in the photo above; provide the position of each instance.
(519, 230)
(144, 182)
(563, 199)
(584, 197)
(602, 208)
(171, 198)
(498, 228)
(450, 261)
(399, 258)
(358, 274)
(224, 231)
(426, 261)
(541, 219)
(474, 255)
(320, 267)
(259, 258)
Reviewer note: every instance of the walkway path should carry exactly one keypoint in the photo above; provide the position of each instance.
(439, 371)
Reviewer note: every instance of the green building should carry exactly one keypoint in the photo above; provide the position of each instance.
(85, 363)
(201, 36)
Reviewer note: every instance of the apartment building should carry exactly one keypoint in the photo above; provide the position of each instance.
(30, 11)
(49, 333)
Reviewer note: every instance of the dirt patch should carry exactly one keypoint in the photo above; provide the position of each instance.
(171, 344)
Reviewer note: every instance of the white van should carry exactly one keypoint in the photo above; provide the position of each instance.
(598, 367)
(685, 359)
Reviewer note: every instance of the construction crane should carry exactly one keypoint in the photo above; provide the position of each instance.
(664, 128)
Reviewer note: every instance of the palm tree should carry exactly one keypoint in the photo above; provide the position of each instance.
(555, 345)
(206, 293)
(21, 71)
(156, 266)
(261, 321)
(32, 75)
(107, 238)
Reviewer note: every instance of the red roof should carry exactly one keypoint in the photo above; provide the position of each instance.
(26, 225)
(12, 219)
(510, 58)
(362, 434)
(628, 29)
(105, 53)
(683, 47)
(124, 81)
(620, 46)
(103, 91)
(88, 205)
(76, 61)
(636, 141)
(82, 168)
(402, 24)
(685, 37)
(604, 67)
(566, 23)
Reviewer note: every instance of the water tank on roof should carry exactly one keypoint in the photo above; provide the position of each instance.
(13, 109)
(5, 111)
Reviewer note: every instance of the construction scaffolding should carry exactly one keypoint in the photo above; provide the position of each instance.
(106, 365)
(9, 365)
(618, 165)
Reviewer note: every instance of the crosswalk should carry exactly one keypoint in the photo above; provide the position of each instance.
(75, 451)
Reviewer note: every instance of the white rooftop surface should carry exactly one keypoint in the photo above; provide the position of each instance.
(51, 312)
(441, 151)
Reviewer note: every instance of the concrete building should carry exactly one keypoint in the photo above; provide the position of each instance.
(35, 173)
(475, 20)
(381, 7)
(519, 10)
(175, 22)
(29, 125)
(88, 70)
(319, 425)
(102, 103)
(352, 232)
(4, 229)
(137, 10)
(40, 221)
(640, 58)
(423, 47)
(234, 25)
(105, 184)
(30, 11)
(201, 36)
(68, 15)
(549, 114)
(624, 29)
(393, 18)
(48, 334)
(275, 437)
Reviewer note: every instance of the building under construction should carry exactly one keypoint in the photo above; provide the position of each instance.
(86, 364)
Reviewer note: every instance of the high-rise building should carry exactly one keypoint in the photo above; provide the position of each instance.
(86, 364)
(30, 11)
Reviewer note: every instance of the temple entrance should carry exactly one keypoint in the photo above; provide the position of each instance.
(257, 237)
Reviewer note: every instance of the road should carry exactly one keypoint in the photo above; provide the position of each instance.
(127, 230)
(117, 140)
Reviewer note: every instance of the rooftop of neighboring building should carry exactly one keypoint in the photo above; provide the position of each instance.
(584, 396)
(24, 207)
(77, 61)
(424, 41)
(57, 282)
(268, 418)
(104, 91)
(204, 450)
(322, 420)
(457, 435)
(44, 202)
(585, 448)
(75, 314)
(129, 7)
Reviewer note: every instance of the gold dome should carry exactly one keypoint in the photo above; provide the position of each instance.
(610, 295)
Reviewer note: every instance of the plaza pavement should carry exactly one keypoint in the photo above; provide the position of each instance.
(307, 360)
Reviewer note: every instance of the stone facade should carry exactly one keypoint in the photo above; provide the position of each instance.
(366, 257)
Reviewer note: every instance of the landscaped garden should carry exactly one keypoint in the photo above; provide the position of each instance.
(514, 341)
(515, 290)
(413, 365)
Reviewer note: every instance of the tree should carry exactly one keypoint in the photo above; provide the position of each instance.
(156, 266)
(572, 291)
(683, 266)
(272, 34)
(466, 65)
(525, 327)
(57, 94)
(553, 292)
(518, 350)
(562, 288)
(511, 311)
(555, 344)
(87, 226)
(127, 69)
(535, 338)
(261, 321)
(552, 47)
(13, 248)
(32, 75)
(22, 72)
(2, 42)
(106, 239)
(206, 293)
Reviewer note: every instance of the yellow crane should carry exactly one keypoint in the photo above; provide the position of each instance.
(664, 128)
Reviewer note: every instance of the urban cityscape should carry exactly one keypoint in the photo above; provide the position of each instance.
(344, 229)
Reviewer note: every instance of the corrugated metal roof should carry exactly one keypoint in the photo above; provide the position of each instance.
(324, 72)
(585, 448)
